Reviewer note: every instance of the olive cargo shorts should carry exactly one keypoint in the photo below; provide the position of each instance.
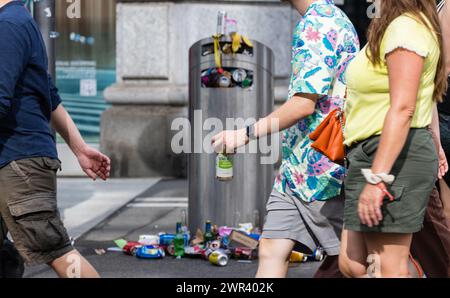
(415, 172)
(29, 210)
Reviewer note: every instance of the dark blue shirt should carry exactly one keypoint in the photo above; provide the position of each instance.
(27, 94)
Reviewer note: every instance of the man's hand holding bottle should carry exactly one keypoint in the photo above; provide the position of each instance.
(229, 140)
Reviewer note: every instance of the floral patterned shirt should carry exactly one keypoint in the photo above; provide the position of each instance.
(325, 41)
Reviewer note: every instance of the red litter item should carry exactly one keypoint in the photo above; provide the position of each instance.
(206, 253)
(220, 71)
(245, 253)
(131, 247)
(193, 251)
(170, 250)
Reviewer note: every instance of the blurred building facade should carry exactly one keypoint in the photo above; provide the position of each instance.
(127, 60)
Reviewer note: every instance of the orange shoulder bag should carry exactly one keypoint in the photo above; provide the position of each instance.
(329, 137)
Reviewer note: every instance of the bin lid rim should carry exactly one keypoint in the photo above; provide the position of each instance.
(211, 40)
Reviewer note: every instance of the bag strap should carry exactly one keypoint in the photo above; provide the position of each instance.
(340, 116)
(440, 5)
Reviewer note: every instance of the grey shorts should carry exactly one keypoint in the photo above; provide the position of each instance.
(311, 224)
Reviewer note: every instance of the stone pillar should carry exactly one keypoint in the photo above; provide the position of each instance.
(153, 40)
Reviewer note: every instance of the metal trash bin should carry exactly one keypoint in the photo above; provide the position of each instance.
(243, 199)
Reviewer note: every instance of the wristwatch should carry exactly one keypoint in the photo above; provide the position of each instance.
(251, 133)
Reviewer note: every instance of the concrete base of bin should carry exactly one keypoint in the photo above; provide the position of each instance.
(138, 138)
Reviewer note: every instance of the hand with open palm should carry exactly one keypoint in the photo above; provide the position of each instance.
(94, 163)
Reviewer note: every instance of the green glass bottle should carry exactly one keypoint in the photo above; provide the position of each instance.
(208, 236)
(179, 242)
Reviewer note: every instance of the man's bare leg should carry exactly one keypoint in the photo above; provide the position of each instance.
(274, 255)
(73, 265)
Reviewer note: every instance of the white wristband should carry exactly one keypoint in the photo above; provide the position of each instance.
(374, 179)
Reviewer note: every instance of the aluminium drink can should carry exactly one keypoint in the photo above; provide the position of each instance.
(219, 258)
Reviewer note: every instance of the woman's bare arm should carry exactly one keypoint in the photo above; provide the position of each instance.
(405, 70)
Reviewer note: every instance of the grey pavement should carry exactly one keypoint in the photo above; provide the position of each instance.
(154, 210)
(84, 203)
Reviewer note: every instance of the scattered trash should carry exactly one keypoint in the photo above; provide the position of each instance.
(170, 250)
(219, 258)
(100, 251)
(193, 251)
(215, 244)
(131, 247)
(238, 238)
(318, 255)
(150, 252)
(121, 243)
(227, 77)
(227, 41)
(149, 240)
(166, 239)
(198, 238)
(245, 253)
(208, 236)
(298, 257)
(179, 242)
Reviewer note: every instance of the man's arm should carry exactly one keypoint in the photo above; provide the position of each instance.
(312, 78)
(298, 107)
(445, 25)
(13, 56)
(292, 111)
(93, 163)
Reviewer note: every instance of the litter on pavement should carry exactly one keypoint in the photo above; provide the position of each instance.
(215, 244)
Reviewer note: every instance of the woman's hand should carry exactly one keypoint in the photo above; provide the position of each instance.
(443, 164)
(228, 141)
(369, 207)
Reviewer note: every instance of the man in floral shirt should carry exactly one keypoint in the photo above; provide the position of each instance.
(306, 204)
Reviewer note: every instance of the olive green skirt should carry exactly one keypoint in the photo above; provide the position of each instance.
(415, 170)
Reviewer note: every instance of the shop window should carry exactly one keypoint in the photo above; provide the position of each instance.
(85, 61)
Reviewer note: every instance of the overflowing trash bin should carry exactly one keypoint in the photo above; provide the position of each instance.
(231, 77)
